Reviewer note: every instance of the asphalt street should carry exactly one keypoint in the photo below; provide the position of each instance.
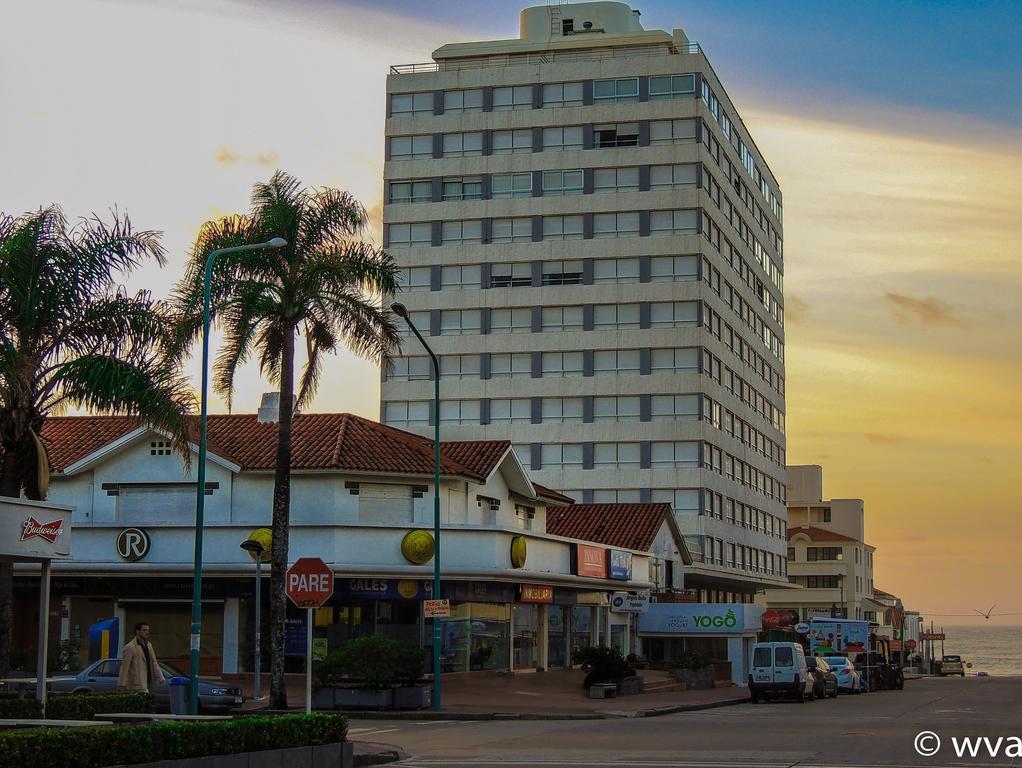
(876, 729)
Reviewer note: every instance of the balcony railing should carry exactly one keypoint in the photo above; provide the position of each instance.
(552, 57)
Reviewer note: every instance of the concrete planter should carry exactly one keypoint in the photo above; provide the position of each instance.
(629, 686)
(321, 756)
(694, 678)
(361, 698)
(412, 697)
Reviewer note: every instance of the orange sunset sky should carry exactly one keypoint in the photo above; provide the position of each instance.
(902, 227)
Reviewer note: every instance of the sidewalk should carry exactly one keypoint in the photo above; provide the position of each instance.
(556, 695)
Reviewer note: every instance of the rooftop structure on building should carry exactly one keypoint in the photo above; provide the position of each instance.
(592, 243)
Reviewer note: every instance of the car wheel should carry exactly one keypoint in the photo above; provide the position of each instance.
(754, 696)
(800, 695)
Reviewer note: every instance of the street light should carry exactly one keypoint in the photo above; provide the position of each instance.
(200, 488)
(401, 311)
(257, 550)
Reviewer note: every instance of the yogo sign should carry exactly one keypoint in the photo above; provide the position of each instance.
(727, 621)
(700, 618)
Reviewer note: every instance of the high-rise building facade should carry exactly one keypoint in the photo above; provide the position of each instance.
(592, 244)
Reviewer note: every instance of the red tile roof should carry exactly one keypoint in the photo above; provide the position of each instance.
(819, 534)
(881, 593)
(632, 526)
(550, 493)
(319, 441)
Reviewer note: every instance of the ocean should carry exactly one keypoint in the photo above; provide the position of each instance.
(991, 649)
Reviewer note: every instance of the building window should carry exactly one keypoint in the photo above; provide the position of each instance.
(406, 413)
(517, 230)
(562, 94)
(519, 410)
(511, 320)
(460, 276)
(672, 87)
(511, 185)
(506, 142)
(462, 144)
(674, 313)
(562, 183)
(562, 318)
(616, 361)
(675, 454)
(616, 270)
(409, 234)
(470, 188)
(663, 176)
(553, 455)
(411, 103)
(616, 224)
(509, 365)
(616, 454)
(624, 408)
(402, 147)
(561, 409)
(462, 231)
(673, 268)
(469, 100)
(674, 222)
(675, 360)
(416, 279)
(458, 322)
(159, 448)
(562, 363)
(617, 316)
(516, 275)
(512, 97)
(459, 411)
(562, 227)
(684, 501)
(562, 273)
(410, 368)
(567, 137)
(672, 131)
(814, 554)
(459, 366)
(620, 89)
(411, 191)
(616, 180)
(616, 135)
(682, 407)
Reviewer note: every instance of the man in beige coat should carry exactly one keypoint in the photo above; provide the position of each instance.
(140, 670)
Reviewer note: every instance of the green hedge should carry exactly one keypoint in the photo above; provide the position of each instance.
(127, 745)
(15, 705)
(83, 706)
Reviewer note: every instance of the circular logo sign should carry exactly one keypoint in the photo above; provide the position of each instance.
(264, 536)
(418, 547)
(519, 551)
(802, 629)
(133, 544)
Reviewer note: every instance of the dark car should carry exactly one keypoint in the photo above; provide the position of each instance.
(101, 677)
(825, 680)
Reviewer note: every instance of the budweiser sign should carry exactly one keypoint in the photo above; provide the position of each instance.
(48, 531)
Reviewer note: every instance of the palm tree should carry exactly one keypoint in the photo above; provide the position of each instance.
(70, 337)
(325, 285)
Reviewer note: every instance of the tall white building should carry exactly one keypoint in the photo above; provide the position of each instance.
(592, 245)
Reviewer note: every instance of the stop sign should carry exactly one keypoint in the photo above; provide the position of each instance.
(309, 582)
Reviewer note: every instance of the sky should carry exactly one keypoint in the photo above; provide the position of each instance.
(893, 127)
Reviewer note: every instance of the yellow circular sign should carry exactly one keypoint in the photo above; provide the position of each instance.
(264, 536)
(418, 547)
(519, 552)
(408, 588)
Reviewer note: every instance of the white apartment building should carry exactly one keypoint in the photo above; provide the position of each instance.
(592, 245)
(828, 556)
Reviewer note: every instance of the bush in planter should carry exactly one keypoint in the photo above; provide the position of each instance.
(103, 746)
(84, 706)
(15, 705)
(374, 662)
(691, 660)
(409, 664)
(602, 665)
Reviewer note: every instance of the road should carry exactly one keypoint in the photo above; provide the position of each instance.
(876, 729)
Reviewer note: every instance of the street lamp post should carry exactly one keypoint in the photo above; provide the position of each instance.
(256, 549)
(200, 489)
(401, 311)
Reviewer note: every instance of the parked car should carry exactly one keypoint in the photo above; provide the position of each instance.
(952, 665)
(878, 673)
(848, 678)
(824, 676)
(779, 669)
(101, 677)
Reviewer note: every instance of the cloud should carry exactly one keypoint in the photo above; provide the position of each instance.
(227, 156)
(879, 438)
(928, 311)
(795, 309)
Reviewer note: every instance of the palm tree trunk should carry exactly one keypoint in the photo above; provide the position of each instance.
(281, 514)
(9, 486)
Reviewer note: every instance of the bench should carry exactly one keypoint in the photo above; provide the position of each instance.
(603, 691)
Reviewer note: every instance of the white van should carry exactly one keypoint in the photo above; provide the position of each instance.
(779, 669)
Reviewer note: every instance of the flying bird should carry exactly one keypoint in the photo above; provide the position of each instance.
(987, 614)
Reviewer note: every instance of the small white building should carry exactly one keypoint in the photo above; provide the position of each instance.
(358, 488)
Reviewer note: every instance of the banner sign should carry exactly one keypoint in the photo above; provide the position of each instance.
(34, 530)
(535, 593)
(590, 560)
(422, 589)
(295, 637)
(700, 618)
(620, 564)
(837, 636)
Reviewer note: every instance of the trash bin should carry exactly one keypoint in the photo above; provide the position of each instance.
(178, 687)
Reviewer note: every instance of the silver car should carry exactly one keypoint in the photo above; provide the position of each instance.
(101, 677)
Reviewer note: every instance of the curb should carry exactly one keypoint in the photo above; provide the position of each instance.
(660, 711)
(379, 754)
